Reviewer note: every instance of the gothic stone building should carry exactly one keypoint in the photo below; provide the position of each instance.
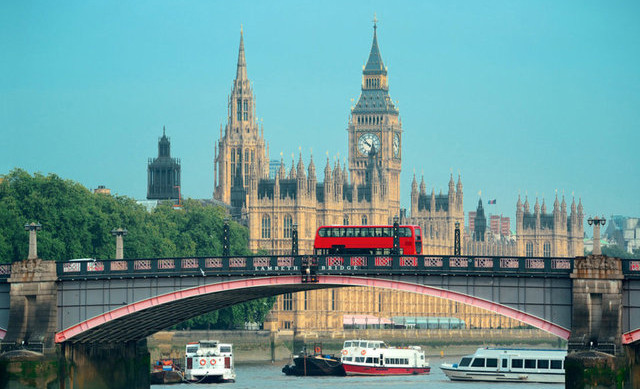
(163, 173)
(365, 191)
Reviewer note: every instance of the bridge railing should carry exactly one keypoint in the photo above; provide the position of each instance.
(330, 264)
(5, 271)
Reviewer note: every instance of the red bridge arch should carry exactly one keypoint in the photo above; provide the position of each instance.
(277, 285)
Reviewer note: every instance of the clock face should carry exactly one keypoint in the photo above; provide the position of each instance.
(367, 142)
(396, 145)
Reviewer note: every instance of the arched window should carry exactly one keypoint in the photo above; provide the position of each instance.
(547, 249)
(345, 220)
(288, 225)
(529, 249)
(266, 227)
(364, 220)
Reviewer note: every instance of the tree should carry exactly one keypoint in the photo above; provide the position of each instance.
(77, 223)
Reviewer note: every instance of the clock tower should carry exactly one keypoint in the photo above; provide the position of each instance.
(375, 128)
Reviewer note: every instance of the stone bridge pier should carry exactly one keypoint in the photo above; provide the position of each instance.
(596, 356)
(33, 325)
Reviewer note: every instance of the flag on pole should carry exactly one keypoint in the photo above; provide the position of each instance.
(492, 201)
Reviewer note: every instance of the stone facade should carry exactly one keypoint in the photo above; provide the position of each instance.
(556, 234)
(364, 191)
(163, 173)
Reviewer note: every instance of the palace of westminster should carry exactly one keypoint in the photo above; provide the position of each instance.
(366, 191)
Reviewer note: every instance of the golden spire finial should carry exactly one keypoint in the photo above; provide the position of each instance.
(240, 28)
(375, 21)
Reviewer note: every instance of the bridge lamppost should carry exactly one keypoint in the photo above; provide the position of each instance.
(33, 228)
(596, 222)
(119, 233)
(396, 236)
(226, 249)
(294, 239)
(456, 243)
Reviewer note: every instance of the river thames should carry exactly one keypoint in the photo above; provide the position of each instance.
(270, 376)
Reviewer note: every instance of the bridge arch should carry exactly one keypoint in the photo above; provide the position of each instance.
(143, 318)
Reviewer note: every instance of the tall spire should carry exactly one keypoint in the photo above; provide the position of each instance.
(241, 74)
(374, 63)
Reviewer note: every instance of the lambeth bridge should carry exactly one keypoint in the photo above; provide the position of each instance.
(86, 305)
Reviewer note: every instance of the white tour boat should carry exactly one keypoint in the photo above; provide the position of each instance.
(209, 361)
(374, 357)
(509, 365)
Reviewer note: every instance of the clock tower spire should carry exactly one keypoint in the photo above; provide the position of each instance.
(375, 124)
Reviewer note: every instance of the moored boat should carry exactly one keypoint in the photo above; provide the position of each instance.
(509, 365)
(374, 357)
(165, 371)
(209, 361)
(314, 364)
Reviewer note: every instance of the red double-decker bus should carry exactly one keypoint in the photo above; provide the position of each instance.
(367, 240)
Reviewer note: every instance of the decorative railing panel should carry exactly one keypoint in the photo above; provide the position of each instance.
(408, 261)
(535, 263)
(5, 269)
(142, 264)
(384, 261)
(118, 265)
(509, 263)
(557, 263)
(458, 262)
(261, 261)
(164, 264)
(95, 266)
(285, 261)
(433, 262)
(189, 263)
(334, 261)
(236, 262)
(483, 263)
(358, 261)
(214, 263)
(71, 267)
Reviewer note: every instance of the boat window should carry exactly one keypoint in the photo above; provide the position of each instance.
(359, 359)
(347, 344)
(543, 364)
(225, 349)
(465, 361)
(406, 361)
(376, 360)
(383, 345)
(369, 360)
(478, 362)
(363, 344)
(505, 363)
(556, 364)
(348, 359)
(516, 363)
(529, 363)
(492, 362)
(192, 350)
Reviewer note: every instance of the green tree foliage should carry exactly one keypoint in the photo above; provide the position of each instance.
(615, 251)
(77, 223)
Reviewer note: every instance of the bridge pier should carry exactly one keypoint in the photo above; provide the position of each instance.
(33, 306)
(105, 365)
(596, 357)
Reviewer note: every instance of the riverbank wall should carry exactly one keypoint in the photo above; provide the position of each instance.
(266, 346)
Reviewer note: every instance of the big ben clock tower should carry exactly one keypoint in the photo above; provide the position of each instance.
(375, 128)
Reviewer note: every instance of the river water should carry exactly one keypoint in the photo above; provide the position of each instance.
(270, 376)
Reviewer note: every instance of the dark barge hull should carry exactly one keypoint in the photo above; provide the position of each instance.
(314, 366)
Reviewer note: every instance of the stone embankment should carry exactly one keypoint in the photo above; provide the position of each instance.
(264, 346)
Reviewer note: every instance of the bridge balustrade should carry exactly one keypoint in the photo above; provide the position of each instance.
(330, 264)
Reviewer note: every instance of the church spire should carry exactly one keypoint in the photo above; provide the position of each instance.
(241, 74)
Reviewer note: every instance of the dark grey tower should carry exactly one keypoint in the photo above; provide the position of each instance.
(163, 177)
(480, 223)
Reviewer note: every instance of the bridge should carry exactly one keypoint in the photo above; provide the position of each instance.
(593, 302)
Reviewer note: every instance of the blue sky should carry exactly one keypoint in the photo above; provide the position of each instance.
(519, 97)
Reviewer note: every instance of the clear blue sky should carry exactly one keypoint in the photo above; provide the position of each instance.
(517, 96)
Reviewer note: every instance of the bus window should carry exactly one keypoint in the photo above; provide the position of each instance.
(356, 232)
(378, 232)
(349, 232)
(322, 232)
(387, 232)
(418, 232)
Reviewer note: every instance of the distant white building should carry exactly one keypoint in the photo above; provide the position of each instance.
(624, 231)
